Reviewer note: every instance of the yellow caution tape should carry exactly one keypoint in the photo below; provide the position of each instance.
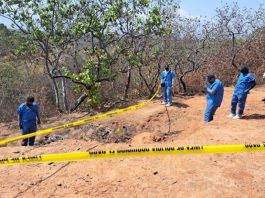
(132, 152)
(77, 123)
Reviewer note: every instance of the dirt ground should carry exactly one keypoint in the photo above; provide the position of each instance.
(211, 175)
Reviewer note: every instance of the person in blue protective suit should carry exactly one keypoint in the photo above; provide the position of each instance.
(167, 81)
(28, 114)
(245, 82)
(214, 90)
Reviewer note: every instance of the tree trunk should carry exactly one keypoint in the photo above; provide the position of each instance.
(65, 96)
(184, 87)
(179, 85)
(76, 65)
(64, 93)
(145, 81)
(127, 86)
(56, 93)
(53, 80)
(78, 102)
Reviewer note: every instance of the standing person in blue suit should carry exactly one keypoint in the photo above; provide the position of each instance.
(245, 82)
(28, 114)
(167, 81)
(214, 90)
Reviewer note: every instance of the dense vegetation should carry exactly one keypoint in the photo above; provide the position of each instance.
(90, 52)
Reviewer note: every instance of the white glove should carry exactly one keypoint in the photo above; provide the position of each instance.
(264, 75)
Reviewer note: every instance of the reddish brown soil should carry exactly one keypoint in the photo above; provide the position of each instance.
(212, 175)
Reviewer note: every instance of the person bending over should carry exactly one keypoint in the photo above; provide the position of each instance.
(214, 90)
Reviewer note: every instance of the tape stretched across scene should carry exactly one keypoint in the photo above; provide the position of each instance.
(132, 152)
(77, 123)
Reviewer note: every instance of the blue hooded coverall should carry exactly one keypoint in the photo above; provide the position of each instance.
(167, 78)
(28, 121)
(244, 84)
(214, 99)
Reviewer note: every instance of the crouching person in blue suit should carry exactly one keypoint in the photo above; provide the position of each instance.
(214, 90)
